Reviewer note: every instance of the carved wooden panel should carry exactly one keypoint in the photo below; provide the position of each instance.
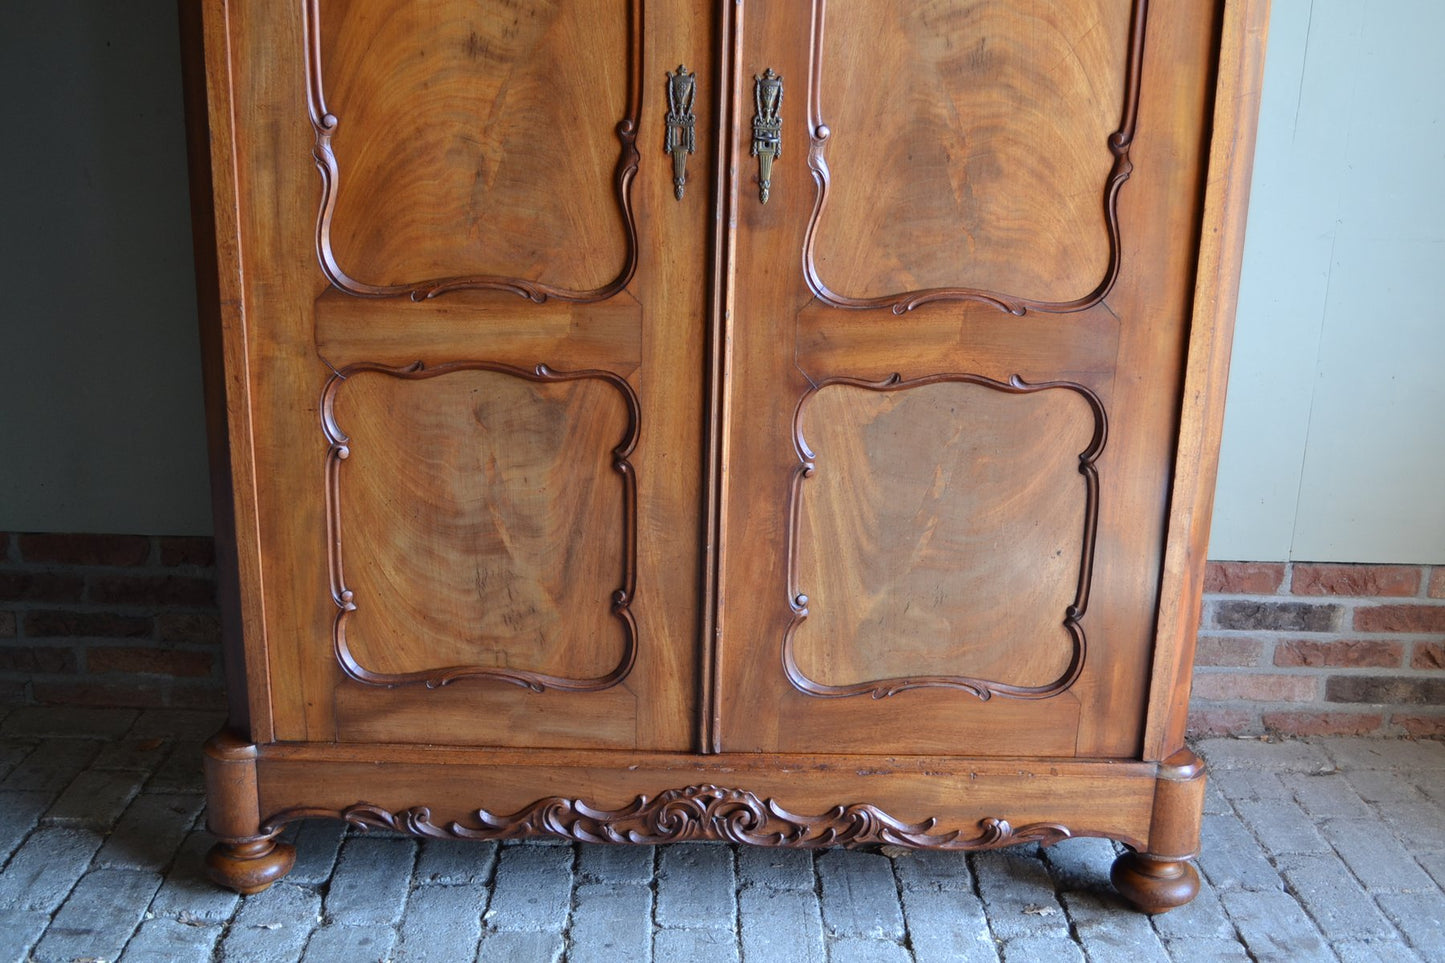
(942, 536)
(466, 145)
(977, 156)
(485, 516)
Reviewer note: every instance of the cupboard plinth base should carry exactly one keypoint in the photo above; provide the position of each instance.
(251, 866)
(1154, 884)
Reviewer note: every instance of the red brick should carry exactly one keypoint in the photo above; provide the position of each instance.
(86, 549)
(40, 587)
(7, 625)
(150, 661)
(1226, 686)
(1230, 650)
(37, 658)
(1437, 582)
(130, 695)
(1420, 726)
(1428, 656)
(5, 540)
(1352, 653)
(1243, 578)
(1400, 618)
(58, 624)
(188, 627)
(1399, 690)
(1317, 579)
(1221, 722)
(1322, 723)
(196, 550)
(152, 590)
(12, 692)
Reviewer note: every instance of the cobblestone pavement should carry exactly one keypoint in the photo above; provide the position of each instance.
(1319, 850)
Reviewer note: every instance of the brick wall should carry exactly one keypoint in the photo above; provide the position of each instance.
(1300, 649)
(117, 620)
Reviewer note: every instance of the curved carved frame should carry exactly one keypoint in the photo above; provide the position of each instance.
(325, 124)
(982, 688)
(693, 813)
(901, 303)
(345, 600)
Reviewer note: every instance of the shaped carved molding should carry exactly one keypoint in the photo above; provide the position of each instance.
(326, 123)
(339, 450)
(982, 688)
(704, 812)
(1118, 144)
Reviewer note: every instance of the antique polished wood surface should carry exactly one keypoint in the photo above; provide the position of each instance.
(566, 501)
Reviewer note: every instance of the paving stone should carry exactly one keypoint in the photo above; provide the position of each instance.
(173, 942)
(1403, 754)
(95, 798)
(867, 951)
(272, 926)
(371, 881)
(138, 755)
(521, 947)
(1249, 784)
(1214, 799)
(1288, 756)
(1110, 932)
(930, 869)
(611, 921)
(317, 842)
(947, 925)
(777, 868)
(12, 753)
(100, 916)
(1326, 795)
(1377, 858)
(19, 813)
(1375, 951)
(860, 896)
(532, 890)
(1421, 826)
(1207, 950)
(1232, 858)
(19, 931)
(463, 862)
(354, 944)
(1081, 864)
(191, 725)
(1434, 864)
(780, 926)
(1018, 895)
(696, 887)
(46, 868)
(1339, 907)
(150, 832)
(1275, 928)
(183, 771)
(1036, 949)
(186, 894)
(1281, 826)
(694, 946)
(73, 721)
(52, 766)
(1201, 918)
(1420, 916)
(1383, 787)
(442, 924)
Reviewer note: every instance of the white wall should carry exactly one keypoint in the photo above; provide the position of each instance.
(1333, 442)
(1334, 437)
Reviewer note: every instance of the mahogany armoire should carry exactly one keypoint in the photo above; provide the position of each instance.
(790, 422)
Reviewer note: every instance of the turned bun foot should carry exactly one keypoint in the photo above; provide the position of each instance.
(249, 867)
(1153, 883)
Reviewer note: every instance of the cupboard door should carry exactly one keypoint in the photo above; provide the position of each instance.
(474, 372)
(957, 332)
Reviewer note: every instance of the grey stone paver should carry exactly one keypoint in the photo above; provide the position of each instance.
(782, 926)
(695, 887)
(1326, 849)
(99, 917)
(74, 721)
(172, 941)
(860, 896)
(442, 924)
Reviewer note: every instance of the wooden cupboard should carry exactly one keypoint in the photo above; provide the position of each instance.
(782, 421)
